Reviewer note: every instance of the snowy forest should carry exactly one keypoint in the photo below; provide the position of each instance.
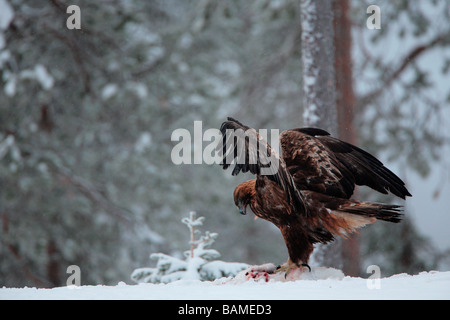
(87, 114)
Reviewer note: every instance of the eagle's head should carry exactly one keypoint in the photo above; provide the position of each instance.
(243, 195)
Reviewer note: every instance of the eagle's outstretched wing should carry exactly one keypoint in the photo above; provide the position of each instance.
(249, 152)
(324, 164)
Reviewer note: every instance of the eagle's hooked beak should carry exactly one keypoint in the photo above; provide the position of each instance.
(242, 209)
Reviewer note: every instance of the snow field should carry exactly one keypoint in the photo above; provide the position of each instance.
(329, 284)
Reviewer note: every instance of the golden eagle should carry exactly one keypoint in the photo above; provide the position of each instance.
(306, 190)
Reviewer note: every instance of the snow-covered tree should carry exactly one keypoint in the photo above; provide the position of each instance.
(199, 262)
(319, 91)
(86, 119)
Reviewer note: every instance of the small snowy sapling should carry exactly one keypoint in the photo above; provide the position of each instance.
(199, 263)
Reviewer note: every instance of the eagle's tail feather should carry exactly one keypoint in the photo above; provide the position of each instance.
(352, 215)
(380, 211)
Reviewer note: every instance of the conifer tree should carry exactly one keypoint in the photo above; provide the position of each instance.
(199, 262)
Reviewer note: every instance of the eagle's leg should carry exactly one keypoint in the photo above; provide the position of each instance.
(290, 266)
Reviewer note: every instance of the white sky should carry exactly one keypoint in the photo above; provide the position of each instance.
(431, 215)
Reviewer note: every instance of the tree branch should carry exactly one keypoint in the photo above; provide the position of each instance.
(412, 56)
(16, 255)
(94, 195)
(77, 55)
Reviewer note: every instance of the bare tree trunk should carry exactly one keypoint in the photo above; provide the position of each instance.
(345, 96)
(319, 90)
(53, 264)
(345, 103)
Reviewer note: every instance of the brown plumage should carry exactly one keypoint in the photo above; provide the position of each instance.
(308, 195)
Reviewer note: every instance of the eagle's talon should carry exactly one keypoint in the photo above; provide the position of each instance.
(306, 265)
(290, 266)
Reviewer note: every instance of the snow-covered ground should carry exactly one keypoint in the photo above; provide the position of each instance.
(321, 283)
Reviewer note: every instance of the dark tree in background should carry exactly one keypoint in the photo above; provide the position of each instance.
(329, 102)
(345, 104)
(329, 99)
(319, 90)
